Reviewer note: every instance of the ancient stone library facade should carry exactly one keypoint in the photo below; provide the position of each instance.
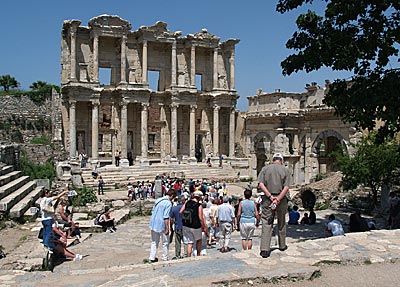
(108, 103)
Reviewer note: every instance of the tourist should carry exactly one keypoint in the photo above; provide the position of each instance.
(193, 221)
(58, 243)
(334, 227)
(83, 157)
(47, 209)
(176, 219)
(61, 215)
(220, 158)
(117, 158)
(394, 210)
(106, 221)
(312, 218)
(100, 186)
(357, 223)
(305, 219)
(274, 183)
(131, 192)
(248, 218)
(226, 221)
(294, 216)
(160, 224)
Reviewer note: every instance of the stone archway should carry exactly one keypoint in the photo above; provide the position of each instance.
(263, 146)
(324, 144)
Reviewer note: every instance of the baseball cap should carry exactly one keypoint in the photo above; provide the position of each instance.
(278, 155)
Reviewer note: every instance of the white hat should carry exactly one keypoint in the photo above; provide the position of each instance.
(278, 155)
(198, 193)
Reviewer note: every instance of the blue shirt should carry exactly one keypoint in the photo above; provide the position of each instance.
(177, 216)
(161, 211)
(294, 217)
(248, 212)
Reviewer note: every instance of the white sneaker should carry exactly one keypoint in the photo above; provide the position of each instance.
(78, 257)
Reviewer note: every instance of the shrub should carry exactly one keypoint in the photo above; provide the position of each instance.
(84, 196)
(37, 171)
(41, 140)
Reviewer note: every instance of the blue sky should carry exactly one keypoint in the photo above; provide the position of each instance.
(30, 34)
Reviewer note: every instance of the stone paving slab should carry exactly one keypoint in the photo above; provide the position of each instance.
(116, 259)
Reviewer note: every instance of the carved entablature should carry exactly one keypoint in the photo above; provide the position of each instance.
(68, 24)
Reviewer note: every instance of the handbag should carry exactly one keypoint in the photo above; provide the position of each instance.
(48, 209)
(41, 231)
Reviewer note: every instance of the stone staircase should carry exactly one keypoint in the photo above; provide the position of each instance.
(17, 192)
(121, 176)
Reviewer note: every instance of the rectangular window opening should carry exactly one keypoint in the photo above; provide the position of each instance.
(151, 140)
(105, 76)
(199, 82)
(154, 80)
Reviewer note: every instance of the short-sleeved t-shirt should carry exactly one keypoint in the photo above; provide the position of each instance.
(275, 177)
(177, 216)
(336, 228)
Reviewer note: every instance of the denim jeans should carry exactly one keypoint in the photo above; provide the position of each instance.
(47, 231)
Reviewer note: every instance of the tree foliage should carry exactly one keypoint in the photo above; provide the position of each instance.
(360, 36)
(38, 85)
(372, 165)
(7, 82)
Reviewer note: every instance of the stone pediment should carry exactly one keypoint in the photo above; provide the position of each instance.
(205, 35)
(109, 21)
(159, 30)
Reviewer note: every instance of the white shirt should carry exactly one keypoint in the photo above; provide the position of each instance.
(336, 228)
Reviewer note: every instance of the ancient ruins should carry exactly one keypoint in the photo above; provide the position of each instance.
(190, 113)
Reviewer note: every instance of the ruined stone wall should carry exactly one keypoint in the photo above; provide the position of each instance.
(21, 119)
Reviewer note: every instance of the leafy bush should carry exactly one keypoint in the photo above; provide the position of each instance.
(37, 171)
(41, 140)
(84, 195)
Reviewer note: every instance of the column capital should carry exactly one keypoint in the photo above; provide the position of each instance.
(193, 108)
(216, 107)
(144, 43)
(145, 106)
(123, 104)
(72, 103)
(174, 44)
(95, 102)
(174, 106)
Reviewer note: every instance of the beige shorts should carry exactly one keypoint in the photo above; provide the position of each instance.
(191, 235)
(247, 230)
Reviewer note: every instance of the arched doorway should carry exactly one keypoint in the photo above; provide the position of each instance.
(262, 147)
(327, 142)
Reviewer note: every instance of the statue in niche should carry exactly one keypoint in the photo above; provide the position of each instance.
(222, 81)
(81, 141)
(282, 144)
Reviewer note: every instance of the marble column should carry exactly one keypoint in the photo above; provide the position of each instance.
(173, 64)
(72, 129)
(232, 133)
(144, 60)
(192, 131)
(163, 131)
(123, 59)
(232, 70)
(96, 58)
(73, 53)
(216, 130)
(296, 144)
(124, 129)
(215, 69)
(193, 66)
(95, 129)
(174, 130)
(143, 132)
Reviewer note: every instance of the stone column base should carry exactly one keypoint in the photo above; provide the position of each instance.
(144, 162)
(193, 161)
(124, 162)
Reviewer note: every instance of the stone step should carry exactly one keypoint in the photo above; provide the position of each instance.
(6, 178)
(10, 187)
(6, 169)
(23, 205)
(9, 201)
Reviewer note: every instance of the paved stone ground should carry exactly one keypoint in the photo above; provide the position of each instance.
(117, 259)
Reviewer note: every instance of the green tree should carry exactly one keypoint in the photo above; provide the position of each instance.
(360, 36)
(7, 82)
(38, 85)
(372, 165)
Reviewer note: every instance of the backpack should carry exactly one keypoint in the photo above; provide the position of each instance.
(189, 213)
(97, 219)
